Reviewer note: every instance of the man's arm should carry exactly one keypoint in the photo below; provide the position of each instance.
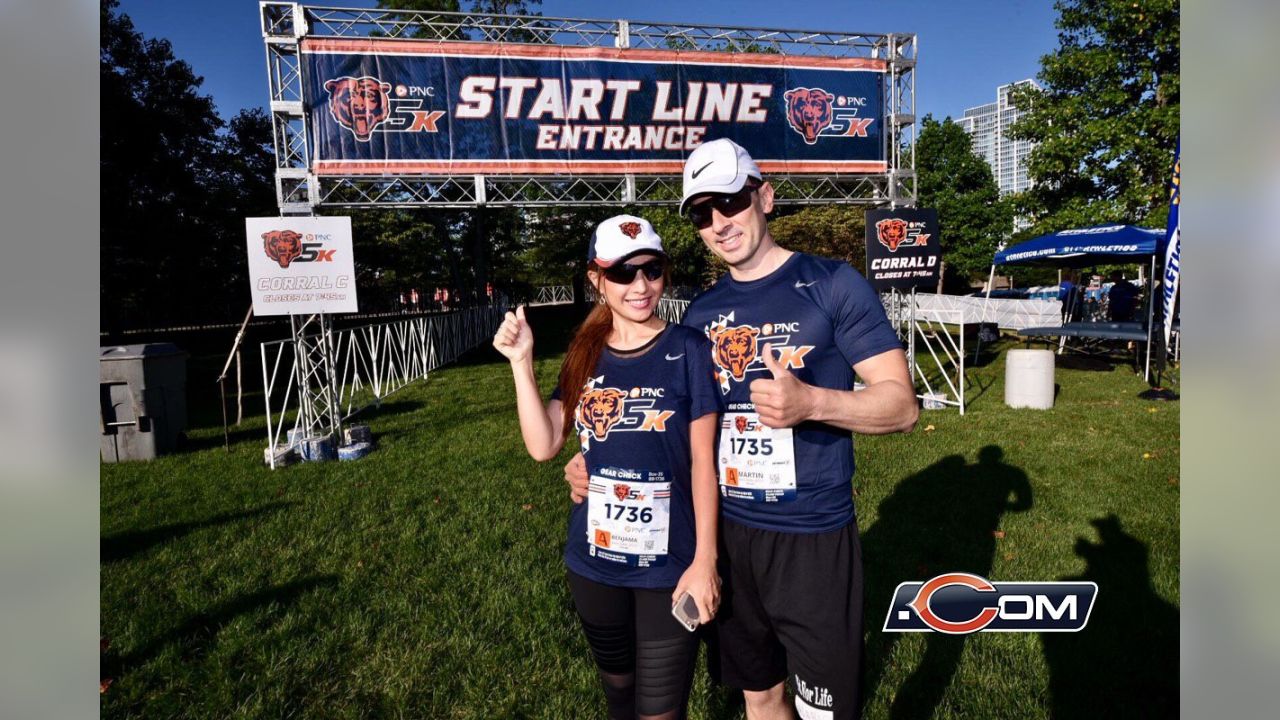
(575, 473)
(886, 405)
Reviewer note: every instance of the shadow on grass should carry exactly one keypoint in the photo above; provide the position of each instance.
(942, 519)
(387, 408)
(984, 355)
(1090, 363)
(126, 544)
(976, 386)
(205, 442)
(1124, 664)
(197, 633)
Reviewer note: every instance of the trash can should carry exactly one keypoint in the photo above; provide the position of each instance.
(1028, 379)
(142, 397)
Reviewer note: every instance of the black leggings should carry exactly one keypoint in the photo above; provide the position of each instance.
(645, 657)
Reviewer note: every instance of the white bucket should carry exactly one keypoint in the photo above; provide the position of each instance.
(1028, 379)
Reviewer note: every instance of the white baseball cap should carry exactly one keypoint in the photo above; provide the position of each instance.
(718, 166)
(622, 236)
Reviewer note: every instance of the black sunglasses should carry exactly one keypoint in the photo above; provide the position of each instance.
(728, 205)
(625, 273)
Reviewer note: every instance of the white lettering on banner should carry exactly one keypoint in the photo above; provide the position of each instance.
(1172, 269)
(476, 97)
(741, 102)
(619, 137)
(517, 86)
(303, 282)
(904, 262)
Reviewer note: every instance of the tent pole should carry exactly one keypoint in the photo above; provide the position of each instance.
(1151, 310)
(977, 346)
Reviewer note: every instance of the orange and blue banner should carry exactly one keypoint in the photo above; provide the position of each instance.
(380, 106)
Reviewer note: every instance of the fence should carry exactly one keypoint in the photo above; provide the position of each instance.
(330, 376)
(672, 310)
(1004, 312)
(553, 295)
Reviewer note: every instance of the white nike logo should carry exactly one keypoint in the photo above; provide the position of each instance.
(804, 285)
(675, 357)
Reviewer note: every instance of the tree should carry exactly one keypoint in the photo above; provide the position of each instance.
(955, 180)
(834, 231)
(1106, 122)
(176, 183)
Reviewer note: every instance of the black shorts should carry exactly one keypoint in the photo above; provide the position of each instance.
(792, 609)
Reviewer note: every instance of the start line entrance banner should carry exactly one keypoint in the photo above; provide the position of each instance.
(411, 107)
(301, 265)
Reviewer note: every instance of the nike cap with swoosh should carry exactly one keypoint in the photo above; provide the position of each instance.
(718, 166)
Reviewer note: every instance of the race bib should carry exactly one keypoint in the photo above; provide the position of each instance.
(756, 462)
(629, 516)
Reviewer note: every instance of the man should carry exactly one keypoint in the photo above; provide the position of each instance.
(789, 331)
(1120, 298)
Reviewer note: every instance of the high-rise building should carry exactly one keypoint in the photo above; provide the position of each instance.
(987, 124)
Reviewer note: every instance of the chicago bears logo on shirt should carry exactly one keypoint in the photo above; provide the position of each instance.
(735, 348)
(600, 409)
(283, 246)
(621, 491)
(359, 104)
(740, 423)
(809, 111)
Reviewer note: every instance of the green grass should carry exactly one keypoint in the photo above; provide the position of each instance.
(425, 580)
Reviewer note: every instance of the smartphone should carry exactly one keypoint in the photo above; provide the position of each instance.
(686, 612)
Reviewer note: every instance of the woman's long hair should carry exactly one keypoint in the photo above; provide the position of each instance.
(583, 354)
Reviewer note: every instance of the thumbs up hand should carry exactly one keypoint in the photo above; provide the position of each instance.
(514, 338)
(783, 401)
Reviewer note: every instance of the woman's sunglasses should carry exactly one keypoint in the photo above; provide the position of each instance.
(728, 205)
(625, 273)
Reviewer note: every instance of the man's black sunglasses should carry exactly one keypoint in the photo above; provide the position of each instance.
(728, 205)
(625, 273)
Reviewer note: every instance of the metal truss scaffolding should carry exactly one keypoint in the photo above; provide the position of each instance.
(332, 375)
(934, 345)
(298, 190)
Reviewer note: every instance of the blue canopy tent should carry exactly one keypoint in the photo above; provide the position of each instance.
(1084, 247)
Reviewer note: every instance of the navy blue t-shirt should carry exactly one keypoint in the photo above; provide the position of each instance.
(633, 422)
(821, 318)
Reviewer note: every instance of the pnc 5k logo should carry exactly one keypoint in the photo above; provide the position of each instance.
(287, 246)
(960, 603)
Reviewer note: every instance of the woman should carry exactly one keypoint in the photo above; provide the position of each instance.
(637, 393)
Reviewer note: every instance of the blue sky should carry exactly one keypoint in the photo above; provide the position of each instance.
(967, 48)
